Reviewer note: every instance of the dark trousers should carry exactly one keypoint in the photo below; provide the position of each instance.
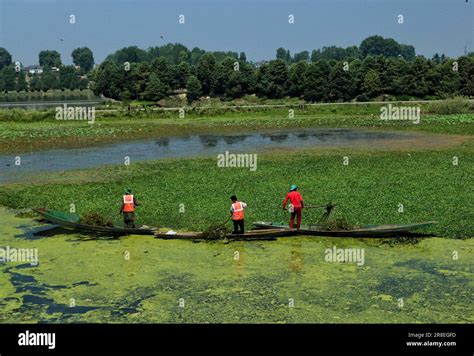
(296, 213)
(129, 220)
(238, 226)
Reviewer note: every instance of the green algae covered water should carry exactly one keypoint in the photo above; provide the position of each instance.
(140, 279)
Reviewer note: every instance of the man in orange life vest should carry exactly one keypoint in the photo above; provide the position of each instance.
(237, 213)
(129, 202)
(296, 205)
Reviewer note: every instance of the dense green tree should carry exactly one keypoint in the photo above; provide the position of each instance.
(301, 56)
(140, 72)
(206, 72)
(407, 52)
(49, 80)
(297, 78)
(341, 84)
(174, 53)
(5, 58)
(108, 79)
(377, 45)
(221, 55)
(240, 82)
(21, 84)
(273, 79)
(391, 71)
(372, 84)
(242, 57)
(8, 78)
(68, 78)
(184, 57)
(163, 70)
(223, 71)
(35, 82)
(316, 86)
(419, 70)
(466, 75)
(196, 54)
(84, 58)
(155, 89)
(49, 58)
(183, 72)
(444, 79)
(328, 53)
(352, 52)
(283, 54)
(131, 54)
(193, 89)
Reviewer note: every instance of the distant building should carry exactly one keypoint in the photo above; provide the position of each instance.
(259, 64)
(33, 69)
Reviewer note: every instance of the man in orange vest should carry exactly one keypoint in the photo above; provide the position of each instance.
(295, 207)
(129, 202)
(237, 213)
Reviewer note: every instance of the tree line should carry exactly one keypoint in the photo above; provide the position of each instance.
(377, 67)
(54, 75)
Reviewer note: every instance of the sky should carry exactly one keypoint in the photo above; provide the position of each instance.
(256, 27)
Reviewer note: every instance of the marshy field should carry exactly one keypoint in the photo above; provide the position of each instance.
(376, 172)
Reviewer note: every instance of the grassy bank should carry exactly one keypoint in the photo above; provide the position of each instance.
(21, 131)
(368, 190)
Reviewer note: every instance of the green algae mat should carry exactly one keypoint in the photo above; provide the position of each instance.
(139, 279)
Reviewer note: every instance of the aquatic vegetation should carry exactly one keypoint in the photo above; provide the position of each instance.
(215, 232)
(96, 219)
(191, 194)
(339, 223)
(283, 281)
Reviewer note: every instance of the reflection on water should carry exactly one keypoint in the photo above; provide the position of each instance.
(296, 264)
(230, 140)
(163, 141)
(188, 146)
(208, 140)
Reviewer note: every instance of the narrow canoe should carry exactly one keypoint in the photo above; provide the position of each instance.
(388, 230)
(249, 235)
(70, 221)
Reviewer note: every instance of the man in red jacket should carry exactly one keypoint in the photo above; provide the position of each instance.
(295, 207)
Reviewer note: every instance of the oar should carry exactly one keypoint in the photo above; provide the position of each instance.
(312, 206)
(226, 220)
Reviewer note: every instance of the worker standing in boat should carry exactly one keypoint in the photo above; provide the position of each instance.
(237, 214)
(296, 205)
(129, 202)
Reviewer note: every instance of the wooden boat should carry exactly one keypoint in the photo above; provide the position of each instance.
(249, 235)
(71, 221)
(388, 230)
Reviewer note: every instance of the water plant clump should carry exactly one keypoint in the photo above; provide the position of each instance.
(215, 232)
(339, 223)
(95, 219)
